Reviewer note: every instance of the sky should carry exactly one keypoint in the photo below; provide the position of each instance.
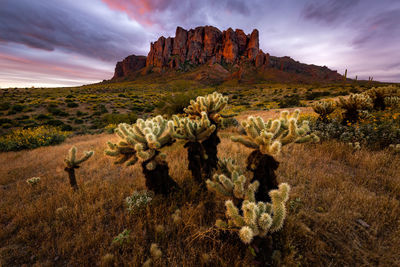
(49, 43)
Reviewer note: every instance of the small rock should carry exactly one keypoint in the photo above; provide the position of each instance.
(363, 223)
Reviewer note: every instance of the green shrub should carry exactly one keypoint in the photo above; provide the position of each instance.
(30, 138)
(5, 121)
(4, 106)
(42, 117)
(290, 101)
(17, 108)
(174, 103)
(72, 105)
(57, 112)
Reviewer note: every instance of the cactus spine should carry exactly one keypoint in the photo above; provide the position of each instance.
(212, 105)
(193, 131)
(73, 163)
(257, 219)
(267, 138)
(143, 140)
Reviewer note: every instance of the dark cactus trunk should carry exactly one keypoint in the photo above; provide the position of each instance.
(263, 167)
(379, 103)
(350, 116)
(158, 180)
(197, 161)
(72, 178)
(211, 147)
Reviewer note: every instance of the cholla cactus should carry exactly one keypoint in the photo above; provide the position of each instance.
(352, 106)
(193, 131)
(379, 94)
(144, 137)
(355, 146)
(392, 101)
(323, 109)
(227, 166)
(236, 186)
(73, 163)
(176, 217)
(257, 219)
(155, 253)
(395, 148)
(267, 138)
(138, 200)
(212, 104)
(33, 181)
(143, 140)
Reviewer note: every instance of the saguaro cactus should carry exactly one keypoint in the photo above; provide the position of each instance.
(352, 106)
(212, 105)
(73, 163)
(193, 132)
(143, 140)
(257, 219)
(267, 138)
(323, 109)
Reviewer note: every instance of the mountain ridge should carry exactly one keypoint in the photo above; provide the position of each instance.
(207, 45)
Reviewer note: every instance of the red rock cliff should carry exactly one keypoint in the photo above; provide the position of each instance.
(203, 45)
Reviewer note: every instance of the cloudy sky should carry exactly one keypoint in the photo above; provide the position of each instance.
(68, 42)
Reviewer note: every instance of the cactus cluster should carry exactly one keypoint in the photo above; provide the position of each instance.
(324, 109)
(72, 163)
(141, 140)
(212, 104)
(352, 105)
(257, 218)
(192, 130)
(236, 186)
(378, 95)
(268, 137)
(392, 101)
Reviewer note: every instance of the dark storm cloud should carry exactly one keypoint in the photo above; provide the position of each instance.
(166, 14)
(329, 11)
(380, 28)
(51, 25)
(71, 42)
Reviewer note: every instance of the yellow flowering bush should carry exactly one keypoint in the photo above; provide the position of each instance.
(30, 138)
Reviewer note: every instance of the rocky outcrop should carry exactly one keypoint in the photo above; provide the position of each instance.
(203, 45)
(129, 65)
(208, 45)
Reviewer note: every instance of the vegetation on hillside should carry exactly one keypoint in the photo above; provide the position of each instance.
(289, 213)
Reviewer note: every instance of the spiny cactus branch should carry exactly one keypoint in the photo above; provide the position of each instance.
(72, 163)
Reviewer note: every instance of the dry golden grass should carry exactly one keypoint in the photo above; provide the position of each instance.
(344, 210)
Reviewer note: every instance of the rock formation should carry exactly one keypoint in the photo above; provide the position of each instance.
(129, 65)
(208, 45)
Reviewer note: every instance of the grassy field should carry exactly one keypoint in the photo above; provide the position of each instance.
(344, 209)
